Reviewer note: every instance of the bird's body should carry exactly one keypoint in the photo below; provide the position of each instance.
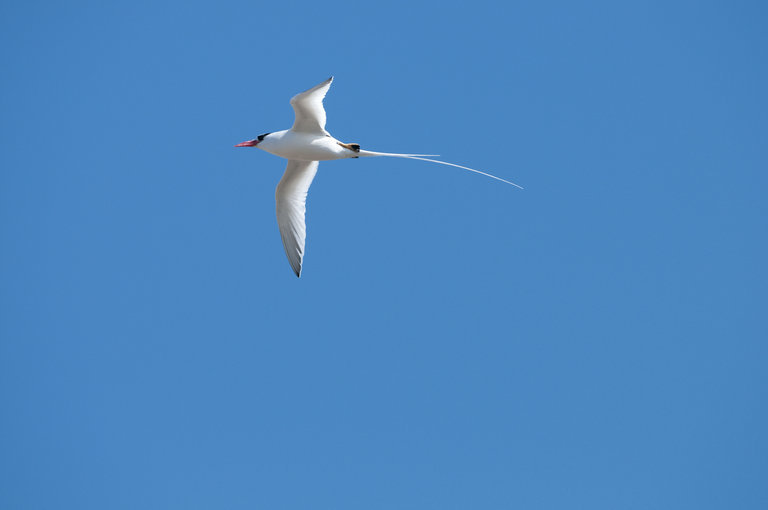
(304, 145)
(290, 144)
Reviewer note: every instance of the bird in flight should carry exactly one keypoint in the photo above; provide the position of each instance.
(304, 146)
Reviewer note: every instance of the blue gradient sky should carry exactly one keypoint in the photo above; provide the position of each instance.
(596, 341)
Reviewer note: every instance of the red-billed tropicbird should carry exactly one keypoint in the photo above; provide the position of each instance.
(304, 145)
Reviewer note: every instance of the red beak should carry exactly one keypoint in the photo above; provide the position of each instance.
(249, 143)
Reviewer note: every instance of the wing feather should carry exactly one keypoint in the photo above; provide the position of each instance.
(308, 106)
(291, 198)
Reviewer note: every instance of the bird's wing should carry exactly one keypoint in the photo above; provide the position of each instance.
(310, 114)
(291, 198)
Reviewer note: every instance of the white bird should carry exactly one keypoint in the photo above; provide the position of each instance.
(304, 145)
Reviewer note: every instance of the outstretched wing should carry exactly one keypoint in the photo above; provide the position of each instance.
(291, 198)
(310, 114)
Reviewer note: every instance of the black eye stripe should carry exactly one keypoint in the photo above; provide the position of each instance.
(261, 137)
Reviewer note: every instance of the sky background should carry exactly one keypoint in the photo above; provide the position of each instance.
(595, 341)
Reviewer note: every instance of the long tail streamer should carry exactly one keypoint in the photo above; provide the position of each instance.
(422, 157)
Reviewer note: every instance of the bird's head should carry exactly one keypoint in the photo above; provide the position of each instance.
(252, 143)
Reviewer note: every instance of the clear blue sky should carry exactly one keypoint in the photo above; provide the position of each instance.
(595, 341)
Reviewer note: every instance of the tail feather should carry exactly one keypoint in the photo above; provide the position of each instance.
(363, 153)
(425, 157)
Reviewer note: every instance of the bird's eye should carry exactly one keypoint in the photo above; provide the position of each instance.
(261, 137)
